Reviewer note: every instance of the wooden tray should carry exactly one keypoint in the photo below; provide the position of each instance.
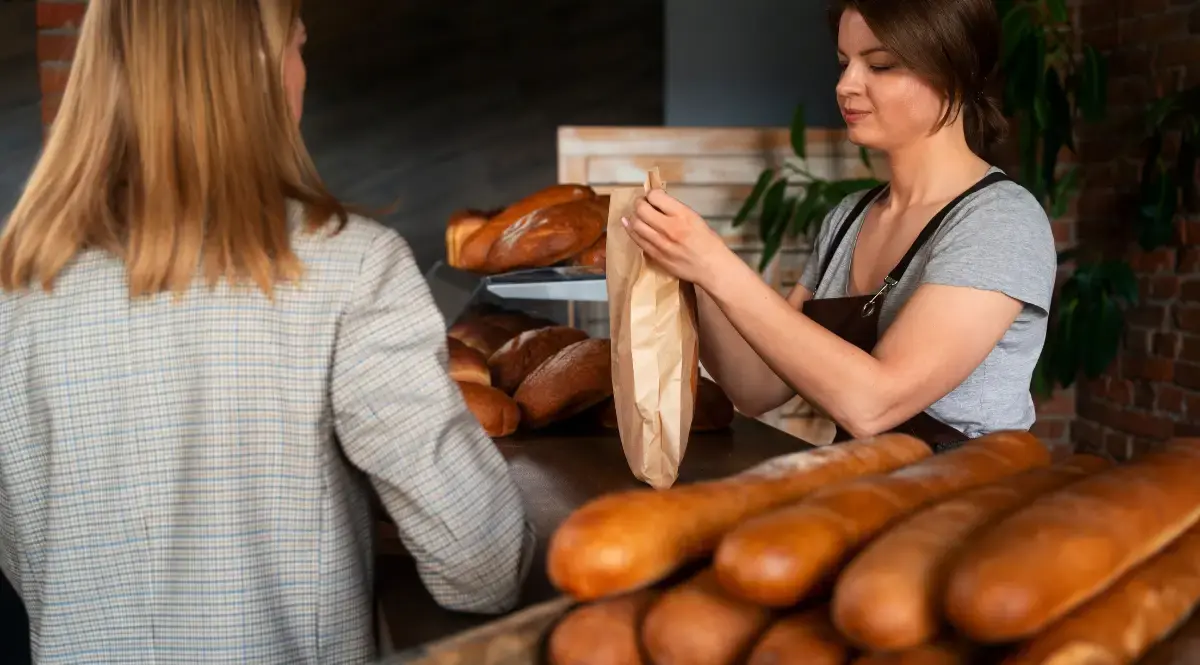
(517, 639)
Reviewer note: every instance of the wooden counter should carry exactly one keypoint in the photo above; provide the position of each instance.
(557, 471)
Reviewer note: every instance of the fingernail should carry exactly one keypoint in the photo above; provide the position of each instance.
(624, 221)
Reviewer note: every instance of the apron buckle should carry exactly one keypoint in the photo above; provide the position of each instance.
(869, 308)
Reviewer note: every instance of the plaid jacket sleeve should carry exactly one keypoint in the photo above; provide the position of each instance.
(402, 420)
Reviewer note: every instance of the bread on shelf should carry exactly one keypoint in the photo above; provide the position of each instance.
(459, 227)
(473, 252)
(467, 365)
(480, 335)
(523, 354)
(594, 256)
(570, 382)
(548, 236)
(496, 412)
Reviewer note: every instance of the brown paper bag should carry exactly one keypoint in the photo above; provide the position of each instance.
(655, 351)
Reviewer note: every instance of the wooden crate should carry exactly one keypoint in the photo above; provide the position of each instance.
(518, 639)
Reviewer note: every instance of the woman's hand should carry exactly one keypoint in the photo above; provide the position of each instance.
(677, 239)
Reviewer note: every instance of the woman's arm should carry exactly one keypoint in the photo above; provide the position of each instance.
(940, 336)
(402, 420)
(752, 386)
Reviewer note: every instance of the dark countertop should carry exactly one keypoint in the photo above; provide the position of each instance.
(557, 471)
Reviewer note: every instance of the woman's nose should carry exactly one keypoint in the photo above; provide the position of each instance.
(850, 82)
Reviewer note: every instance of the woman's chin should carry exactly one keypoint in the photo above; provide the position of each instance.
(862, 136)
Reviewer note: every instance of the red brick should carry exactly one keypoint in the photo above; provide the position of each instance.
(1118, 446)
(1187, 317)
(1189, 232)
(1132, 61)
(1143, 395)
(1120, 392)
(1064, 231)
(1169, 399)
(50, 108)
(1140, 446)
(1153, 28)
(1166, 344)
(1189, 291)
(1183, 52)
(1136, 7)
(1094, 15)
(60, 14)
(1192, 406)
(1187, 430)
(1189, 260)
(1147, 316)
(1157, 261)
(1061, 403)
(1189, 348)
(1087, 435)
(56, 46)
(1160, 287)
(53, 77)
(1188, 375)
(1131, 422)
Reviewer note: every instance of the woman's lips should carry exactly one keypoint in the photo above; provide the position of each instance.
(853, 116)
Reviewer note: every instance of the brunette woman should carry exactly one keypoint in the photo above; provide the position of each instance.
(205, 358)
(923, 305)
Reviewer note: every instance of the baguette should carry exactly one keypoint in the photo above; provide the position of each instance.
(1122, 623)
(466, 364)
(474, 251)
(523, 354)
(699, 624)
(627, 540)
(601, 633)
(889, 596)
(804, 638)
(1046, 559)
(778, 558)
(929, 654)
(496, 412)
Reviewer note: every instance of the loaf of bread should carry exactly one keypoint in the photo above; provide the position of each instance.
(1122, 623)
(480, 335)
(466, 364)
(777, 559)
(514, 361)
(547, 236)
(889, 597)
(515, 323)
(602, 633)
(594, 256)
(496, 412)
(1046, 559)
(459, 227)
(944, 653)
(803, 638)
(628, 540)
(474, 252)
(569, 382)
(699, 624)
(713, 412)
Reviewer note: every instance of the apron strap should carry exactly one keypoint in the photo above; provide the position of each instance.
(932, 226)
(923, 237)
(847, 222)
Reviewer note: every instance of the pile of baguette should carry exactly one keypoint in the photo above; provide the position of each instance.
(519, 371)
(560, 224)
(875, 551)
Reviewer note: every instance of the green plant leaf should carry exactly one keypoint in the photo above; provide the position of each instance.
(1106, 324)
(1064, 191)
(1160, 111)
(807, 209)
(771, 207)
(1093, 84)
(865, 157)
(1185, 171)
(1016, 25)
(1030, 176)
(1157, 212)
(1058, 10)
(760, 186)
(1056, 133)
(1119, 280)
(799, 132)
(773, 239)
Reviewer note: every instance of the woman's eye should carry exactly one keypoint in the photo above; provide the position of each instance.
(881, 68)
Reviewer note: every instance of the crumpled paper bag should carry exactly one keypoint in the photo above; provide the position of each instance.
(655, 349)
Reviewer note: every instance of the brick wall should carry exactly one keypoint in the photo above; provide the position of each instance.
(1152, 391)
(58, 29)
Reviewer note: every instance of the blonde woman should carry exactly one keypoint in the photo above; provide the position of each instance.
(204, 358)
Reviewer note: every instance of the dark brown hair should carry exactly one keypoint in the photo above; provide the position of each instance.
(952, 44)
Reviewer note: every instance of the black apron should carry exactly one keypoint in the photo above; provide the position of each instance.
(856, 318)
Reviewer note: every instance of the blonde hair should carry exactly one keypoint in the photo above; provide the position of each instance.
(174, 149)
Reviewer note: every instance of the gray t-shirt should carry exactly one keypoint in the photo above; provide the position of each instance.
(996, 239)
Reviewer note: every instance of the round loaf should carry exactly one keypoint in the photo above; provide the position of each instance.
(467, 364)
(571, 381)
(526, 352)
(480, 335)
(496, 412)
(713, 411)
(515, 322)
(475, 249)
(548, 236)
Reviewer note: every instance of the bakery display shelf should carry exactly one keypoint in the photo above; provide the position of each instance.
(453, 288)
